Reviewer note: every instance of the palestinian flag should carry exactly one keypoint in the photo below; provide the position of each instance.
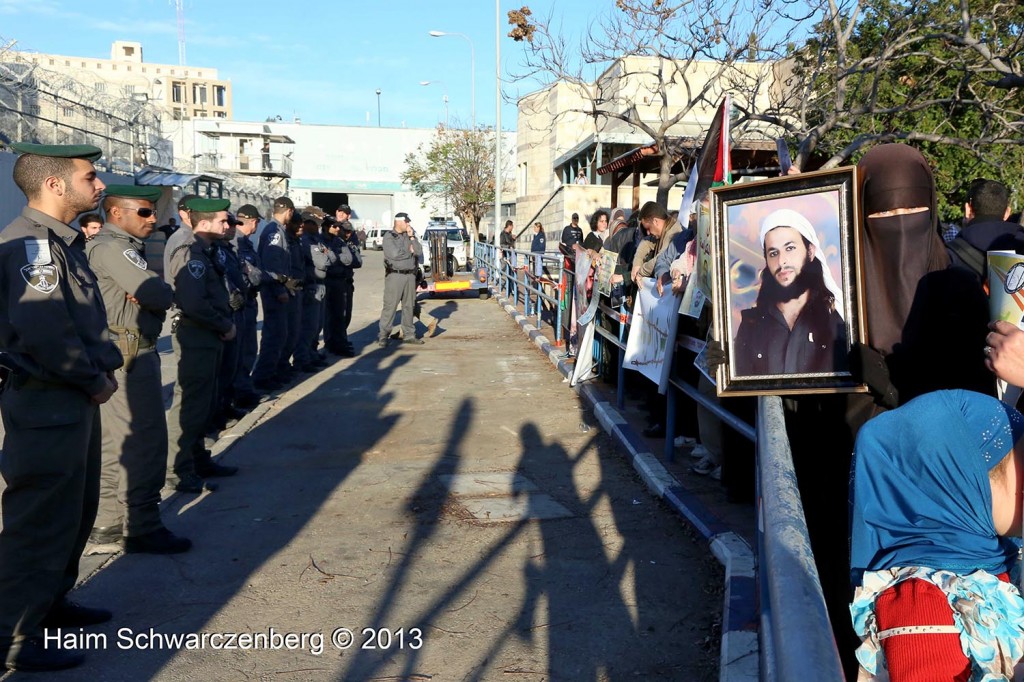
(712, 168)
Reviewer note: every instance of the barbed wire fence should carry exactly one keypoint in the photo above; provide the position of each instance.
(47, 106)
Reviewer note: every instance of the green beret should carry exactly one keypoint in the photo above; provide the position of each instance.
(63, 151)
(134, 192)
(207, 205)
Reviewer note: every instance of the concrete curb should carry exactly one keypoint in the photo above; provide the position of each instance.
(739, 649)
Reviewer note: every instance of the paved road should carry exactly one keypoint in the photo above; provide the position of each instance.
(454, 498)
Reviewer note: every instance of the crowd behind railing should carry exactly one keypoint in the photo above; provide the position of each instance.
(848, 517)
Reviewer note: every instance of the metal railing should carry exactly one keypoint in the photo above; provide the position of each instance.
(514, 274)
(795, 632)
(796, 635)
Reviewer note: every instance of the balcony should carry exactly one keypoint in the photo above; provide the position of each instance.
(257, 164)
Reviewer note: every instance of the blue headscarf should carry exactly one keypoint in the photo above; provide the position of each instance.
(920, 491)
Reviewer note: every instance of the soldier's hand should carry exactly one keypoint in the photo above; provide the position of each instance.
(229, 334)
(131, 298)
(293, 285)
(106, 392)
(282, 298)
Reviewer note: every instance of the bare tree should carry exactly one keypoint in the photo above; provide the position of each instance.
(663, 67)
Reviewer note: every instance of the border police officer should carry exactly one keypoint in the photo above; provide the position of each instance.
(340, 284)
(402, 254)
(318, 259)
(227, 264)
(248, 220)
(203, 321)
(296, 271)
(134, 424)
(274, 295)
(53, 332)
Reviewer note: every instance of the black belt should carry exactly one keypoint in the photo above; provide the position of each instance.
(401, 272)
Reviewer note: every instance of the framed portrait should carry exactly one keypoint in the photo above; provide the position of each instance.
(786, 288)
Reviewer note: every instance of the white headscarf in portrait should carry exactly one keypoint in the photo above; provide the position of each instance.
(786, 217)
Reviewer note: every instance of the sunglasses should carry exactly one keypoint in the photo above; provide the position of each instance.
(143, 212)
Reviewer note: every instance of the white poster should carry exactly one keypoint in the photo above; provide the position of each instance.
(584, 367)
(652, 333)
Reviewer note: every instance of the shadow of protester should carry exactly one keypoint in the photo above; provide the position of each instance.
(294, 463)
(571, 587)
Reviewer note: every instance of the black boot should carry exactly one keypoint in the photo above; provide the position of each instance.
(32, 655)
(160, 541)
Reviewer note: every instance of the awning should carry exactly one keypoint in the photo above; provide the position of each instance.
(628, 159)
(170, 179)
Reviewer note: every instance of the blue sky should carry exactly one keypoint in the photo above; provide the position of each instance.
(321, 61)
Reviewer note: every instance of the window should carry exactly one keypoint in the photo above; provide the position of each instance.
(178, 114)
(199, 113)
(220, 114)
(100, 87)
(219, 95)
(67, 62)
(178, 92)
(128, 90)
(67, 112)
(33, 108)
(198, 94)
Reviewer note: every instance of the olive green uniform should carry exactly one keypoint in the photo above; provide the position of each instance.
(53, 330)
(134, 424)
(201, 300)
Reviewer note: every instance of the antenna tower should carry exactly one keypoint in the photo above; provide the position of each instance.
(180, 6)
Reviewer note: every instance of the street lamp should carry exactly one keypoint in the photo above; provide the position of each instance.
(378, 107)
(472, 67)
(441, 83)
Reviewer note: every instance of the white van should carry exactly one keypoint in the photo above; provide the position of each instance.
(375, 239)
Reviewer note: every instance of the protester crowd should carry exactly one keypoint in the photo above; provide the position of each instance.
(88, 446)
(936, 464)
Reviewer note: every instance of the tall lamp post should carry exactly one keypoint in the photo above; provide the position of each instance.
(441, 83)
(497, 120)
(472, 67)
(378, 107)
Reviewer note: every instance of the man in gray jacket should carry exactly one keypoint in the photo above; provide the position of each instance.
(402, 254)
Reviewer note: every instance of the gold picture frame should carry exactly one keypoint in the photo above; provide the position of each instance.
(787, 285)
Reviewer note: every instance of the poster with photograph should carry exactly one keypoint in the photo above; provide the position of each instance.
(786, 286)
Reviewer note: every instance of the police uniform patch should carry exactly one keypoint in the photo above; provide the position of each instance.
(42, 278)
(275, 239)
(37, 251)
(222, 257)
(136, 259)
(196, 268)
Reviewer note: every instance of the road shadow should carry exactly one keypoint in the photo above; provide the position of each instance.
(292, 462)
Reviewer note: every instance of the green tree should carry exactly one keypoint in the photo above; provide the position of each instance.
(943, 75)
(456, 168)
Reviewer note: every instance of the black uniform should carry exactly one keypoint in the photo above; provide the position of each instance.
(296, 270)
(340, 291)
(227, 264)
(275, 258)
(317, 259)
(204, 313)
(53, 333)
(247, 338)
